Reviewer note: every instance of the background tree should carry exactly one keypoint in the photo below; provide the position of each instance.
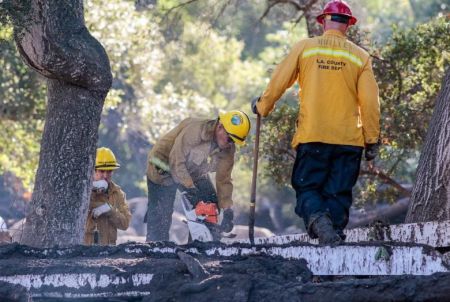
(430, 198)
(52, 39)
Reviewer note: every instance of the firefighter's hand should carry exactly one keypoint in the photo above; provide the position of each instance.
(254, 108)
(371, 151)
(227, 222)
(104, 208)
(192, 194)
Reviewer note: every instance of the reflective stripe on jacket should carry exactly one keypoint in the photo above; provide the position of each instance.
(107, 224)
(338, 92)
(189, 152)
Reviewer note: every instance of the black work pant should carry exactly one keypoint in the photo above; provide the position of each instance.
(160, 206)
(323, 177)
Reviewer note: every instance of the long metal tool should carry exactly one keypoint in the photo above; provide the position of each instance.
(251, 223)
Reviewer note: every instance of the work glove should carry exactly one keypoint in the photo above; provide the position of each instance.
(372, 150)
(100, 186)
(100, 210)
(254, 101)
(202, 191)
(192, 194)
(227, 221)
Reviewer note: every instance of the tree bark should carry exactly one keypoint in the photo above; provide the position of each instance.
(430, 195)
(55, 42)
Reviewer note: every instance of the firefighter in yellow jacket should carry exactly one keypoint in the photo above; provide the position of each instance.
(182, 159)
(338, 117)
(108, 210)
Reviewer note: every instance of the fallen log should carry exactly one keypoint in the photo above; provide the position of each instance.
(385, 212)
(207, 271)
(131, 271)
(366, 259)
(404, 288)
(433, 233)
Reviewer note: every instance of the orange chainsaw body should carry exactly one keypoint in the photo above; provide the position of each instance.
(208, 210)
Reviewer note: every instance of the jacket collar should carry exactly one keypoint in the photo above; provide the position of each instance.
(334, 32)
(112, 187)
(208, 130)
(208, 133)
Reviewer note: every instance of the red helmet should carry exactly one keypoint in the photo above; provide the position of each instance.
(337, 7)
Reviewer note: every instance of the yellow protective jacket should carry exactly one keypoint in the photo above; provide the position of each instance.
(107, 224)
(338, 92)
(189, 152)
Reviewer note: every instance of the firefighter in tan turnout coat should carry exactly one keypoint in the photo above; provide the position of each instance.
(182, 159)
(108, 210)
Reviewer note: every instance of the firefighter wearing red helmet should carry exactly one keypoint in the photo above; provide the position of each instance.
(338, 119)
(339, 8)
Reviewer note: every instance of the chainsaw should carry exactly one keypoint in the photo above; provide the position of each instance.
(203, 221)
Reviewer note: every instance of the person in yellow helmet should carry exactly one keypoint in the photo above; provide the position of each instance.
(338, 118)
(182, 159)
(108, 209)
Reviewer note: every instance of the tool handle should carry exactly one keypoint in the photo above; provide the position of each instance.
(251, 223)
(96, 237)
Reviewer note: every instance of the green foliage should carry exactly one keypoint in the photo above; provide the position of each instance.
(22, 110)
(423, 10)
(276, 136)
(21, 91)
(19, 148)
(409, 78)
(209, 65)
(160, 79)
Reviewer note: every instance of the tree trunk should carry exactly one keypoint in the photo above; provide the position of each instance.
(313, 27)
(430, 198)
(55, 42)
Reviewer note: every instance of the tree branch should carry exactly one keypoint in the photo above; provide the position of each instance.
(62, 52)
(381, 212)
(386, 179)
(179, 5)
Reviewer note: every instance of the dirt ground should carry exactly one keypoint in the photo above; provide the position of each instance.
(179, 275)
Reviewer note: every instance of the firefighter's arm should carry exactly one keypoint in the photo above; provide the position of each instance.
(284, 76)
(224, 183)
(120, 215)
(369, 104)
(178, 156)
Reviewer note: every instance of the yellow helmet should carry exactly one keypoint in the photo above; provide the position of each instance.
(236, 124)
(105, 159)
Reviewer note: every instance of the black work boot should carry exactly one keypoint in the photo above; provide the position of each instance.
(323, 228)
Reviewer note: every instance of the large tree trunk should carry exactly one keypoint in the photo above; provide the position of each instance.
(430, 198)
(55, 42)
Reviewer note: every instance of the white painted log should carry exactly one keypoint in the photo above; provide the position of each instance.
(350, 259)
(68, 285)
(434, 233)
(353, 260)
